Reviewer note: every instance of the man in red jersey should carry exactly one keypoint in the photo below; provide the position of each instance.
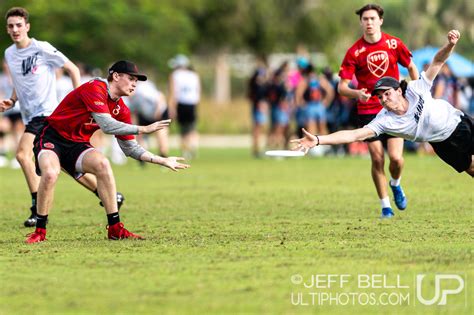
(64, 143)
(373, 56)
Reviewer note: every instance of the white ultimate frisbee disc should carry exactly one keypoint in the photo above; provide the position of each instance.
(284, 153)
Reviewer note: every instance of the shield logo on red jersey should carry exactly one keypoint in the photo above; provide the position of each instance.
(49, 145)
(378, 62)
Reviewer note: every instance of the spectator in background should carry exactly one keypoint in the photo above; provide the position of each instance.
(339, 112)
(295, 79)
(277, 97)
(446, 87)
(184, 98)
(257, 86)
(148, 104)
(315, 92)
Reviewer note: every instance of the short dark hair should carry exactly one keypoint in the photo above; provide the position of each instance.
(368, 7)
(18, 11)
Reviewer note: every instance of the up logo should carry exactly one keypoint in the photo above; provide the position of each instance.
(440, 294)
(378, 62)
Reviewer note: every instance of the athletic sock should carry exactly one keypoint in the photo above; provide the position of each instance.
(113, 218)
(395, 182)
(385, 202)
(41, 221)
(34, 197)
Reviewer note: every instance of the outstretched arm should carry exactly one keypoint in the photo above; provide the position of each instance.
(112, 126)
(442, 55)
(344, 136)
(133, 149)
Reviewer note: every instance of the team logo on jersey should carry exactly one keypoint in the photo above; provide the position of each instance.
(29, 64)
(378, 62)
(359, 51)
(49, 145)
(116, 110)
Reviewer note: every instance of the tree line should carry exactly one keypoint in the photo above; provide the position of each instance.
(150, 32)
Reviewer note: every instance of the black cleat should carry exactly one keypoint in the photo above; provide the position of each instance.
(31, 221)
(120, 200)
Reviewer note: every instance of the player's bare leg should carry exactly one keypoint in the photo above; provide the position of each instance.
(24, 156)
(395, 153)
(50, 168)
(378, 176)
(96, 163)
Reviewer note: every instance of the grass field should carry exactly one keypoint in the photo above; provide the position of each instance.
(237, 235)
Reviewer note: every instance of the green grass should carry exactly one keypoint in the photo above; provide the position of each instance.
(227, 235)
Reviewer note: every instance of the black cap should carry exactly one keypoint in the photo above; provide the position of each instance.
(124, 66)
(385, 83)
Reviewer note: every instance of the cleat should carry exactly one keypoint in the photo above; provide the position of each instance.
(118, 232)
(387, 213)
(399, 197)
(39, 235)
(31, 221)
(120, 200)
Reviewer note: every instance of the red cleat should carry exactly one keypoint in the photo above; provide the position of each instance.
(39, 235)
(118, 232)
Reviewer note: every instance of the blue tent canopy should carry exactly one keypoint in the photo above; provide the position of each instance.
(459, 65)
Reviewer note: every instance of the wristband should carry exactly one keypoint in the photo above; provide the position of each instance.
(318, 140)
(13, 101)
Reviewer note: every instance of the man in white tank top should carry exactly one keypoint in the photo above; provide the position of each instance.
(184, 96)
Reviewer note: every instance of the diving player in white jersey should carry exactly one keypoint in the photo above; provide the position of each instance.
(410, 112)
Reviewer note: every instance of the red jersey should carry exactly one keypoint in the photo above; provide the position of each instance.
(369, 62)
(72, 118)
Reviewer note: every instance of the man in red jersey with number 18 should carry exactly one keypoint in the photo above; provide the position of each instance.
(373, 56)
(64, 143)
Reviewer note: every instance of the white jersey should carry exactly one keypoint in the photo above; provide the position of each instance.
(427, 119)
(33, 74)
(147, 100)
(187, 88)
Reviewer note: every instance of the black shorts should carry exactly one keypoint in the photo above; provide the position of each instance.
(144, 121)
(67, 151)
(363, 120)
(457, 150)
(35, 125)
(187, 117)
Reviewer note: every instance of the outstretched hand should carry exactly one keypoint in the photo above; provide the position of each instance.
(307, 142)
(453, 36)
(155, 126)
(172, 163)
